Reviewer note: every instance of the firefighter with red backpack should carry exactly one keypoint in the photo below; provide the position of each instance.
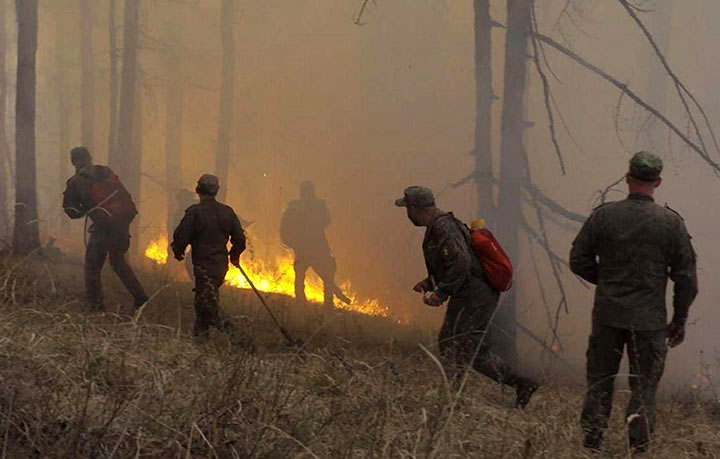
(96, 193)
(455, 273)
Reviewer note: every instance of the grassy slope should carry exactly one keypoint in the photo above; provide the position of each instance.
(100, 385)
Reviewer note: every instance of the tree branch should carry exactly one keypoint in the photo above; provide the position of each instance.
(679, 86)
(631, 94)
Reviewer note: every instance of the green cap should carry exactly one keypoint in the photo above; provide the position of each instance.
(417, 196)
(209, 184)
(645, 166)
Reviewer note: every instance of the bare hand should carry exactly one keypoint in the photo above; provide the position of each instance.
(431, 299)
(422, 286)
(675, 333)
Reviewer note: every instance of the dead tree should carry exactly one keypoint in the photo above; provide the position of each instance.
(124, 159)
(63, 109)
(514, 168)
(173, 120)
(227, 95)
(87, 91)
(483, 112)
(5, 165)
(112, 38)
(26, 235)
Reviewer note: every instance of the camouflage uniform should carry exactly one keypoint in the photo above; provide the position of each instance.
(303, 230)
(457, 274)
(206, 227)
(105, 241)
(629, 249)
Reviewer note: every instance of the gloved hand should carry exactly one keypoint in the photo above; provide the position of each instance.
(431, 299)
(422, 286)
(675, 333)
(235, 260)
(179, 256)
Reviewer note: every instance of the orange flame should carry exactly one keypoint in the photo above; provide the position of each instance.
(278, 276)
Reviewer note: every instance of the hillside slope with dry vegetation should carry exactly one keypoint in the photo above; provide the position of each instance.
(74, 384)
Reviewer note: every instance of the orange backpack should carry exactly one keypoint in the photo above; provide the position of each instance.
(496, 265)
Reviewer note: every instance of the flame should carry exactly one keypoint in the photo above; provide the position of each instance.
(278, 276)
(157, 251)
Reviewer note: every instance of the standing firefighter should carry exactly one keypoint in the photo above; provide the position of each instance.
(629, 249)
(207, 227)
(454, 272)
(302, 228)
(95, 192)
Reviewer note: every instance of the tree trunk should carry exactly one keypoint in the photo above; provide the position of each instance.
(112, 131)
(63, 112)
(483, 113)
(227, 95)
(513, 158)
(5, 172)
(124, 160)
(136, 154)
(27, 235)
(173, 136)
(87, 106)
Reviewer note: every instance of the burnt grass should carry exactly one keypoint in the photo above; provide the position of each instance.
(114, 384)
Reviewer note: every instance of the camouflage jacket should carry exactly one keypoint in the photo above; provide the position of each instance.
(629, 249)
(207, 227)
(450, 262)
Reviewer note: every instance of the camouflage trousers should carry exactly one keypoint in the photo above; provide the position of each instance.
(324, 266)
(104, 244)
(465, 339)
(646, 352)
(207, 305)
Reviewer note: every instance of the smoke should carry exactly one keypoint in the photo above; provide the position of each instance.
(364, 111)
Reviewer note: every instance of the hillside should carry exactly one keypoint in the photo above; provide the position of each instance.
(74, 384)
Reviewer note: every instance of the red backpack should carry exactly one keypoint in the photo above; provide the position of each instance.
(496, 265)
(112, 201)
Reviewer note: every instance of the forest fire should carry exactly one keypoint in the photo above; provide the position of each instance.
(277, 276)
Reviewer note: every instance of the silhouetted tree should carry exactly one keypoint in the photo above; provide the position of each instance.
(227, 95)
(87, 91)
(26, 236)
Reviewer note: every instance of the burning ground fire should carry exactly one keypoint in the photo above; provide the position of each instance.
(277, 276)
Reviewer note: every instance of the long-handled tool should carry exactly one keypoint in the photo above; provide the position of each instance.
(284, 332)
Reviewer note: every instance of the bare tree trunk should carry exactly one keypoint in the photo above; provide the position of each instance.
(513, 158)
(227, 95)
(123, 160)
(27, 234)
(63, 111)
(112, 131)
(173, 135)
(87, 106)
(136, 154)
(4, 153)
(483, 112)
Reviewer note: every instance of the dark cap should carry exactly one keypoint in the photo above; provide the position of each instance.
(208, 184)
(645, 166)
(417, 196)
(79, 154)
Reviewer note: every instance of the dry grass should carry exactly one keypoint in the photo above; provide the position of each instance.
(107, 385)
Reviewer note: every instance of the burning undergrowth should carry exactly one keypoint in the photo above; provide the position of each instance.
(274, 274)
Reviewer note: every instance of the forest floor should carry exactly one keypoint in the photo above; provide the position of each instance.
(79, 384)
